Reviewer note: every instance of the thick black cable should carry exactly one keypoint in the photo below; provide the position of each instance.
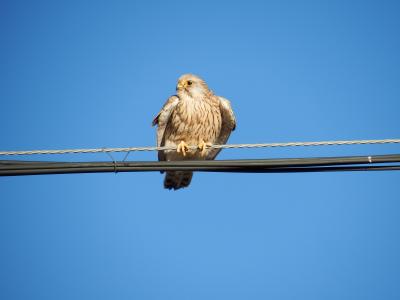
(287, 165)
(231, 170)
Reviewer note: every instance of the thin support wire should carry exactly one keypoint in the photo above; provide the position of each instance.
(229, 146)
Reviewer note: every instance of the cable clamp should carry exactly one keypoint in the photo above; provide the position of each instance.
(112, 159)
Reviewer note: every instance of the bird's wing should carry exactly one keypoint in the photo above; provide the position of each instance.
(162, 120)
(228, 125)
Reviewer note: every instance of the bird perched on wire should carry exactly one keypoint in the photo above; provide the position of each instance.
(194, 116)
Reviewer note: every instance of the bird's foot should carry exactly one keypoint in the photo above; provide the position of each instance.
(203, 147)
(182, 147)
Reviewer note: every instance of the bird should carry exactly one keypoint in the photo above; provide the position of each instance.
(195, 116)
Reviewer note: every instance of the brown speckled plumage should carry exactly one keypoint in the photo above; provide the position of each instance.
(194, 116)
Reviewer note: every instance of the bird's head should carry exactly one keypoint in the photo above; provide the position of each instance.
(191, 85)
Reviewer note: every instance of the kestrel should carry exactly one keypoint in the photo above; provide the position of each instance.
(195, 116)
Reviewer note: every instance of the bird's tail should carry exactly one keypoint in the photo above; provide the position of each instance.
(177, 179)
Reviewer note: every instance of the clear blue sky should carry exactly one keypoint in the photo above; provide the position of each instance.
(82, 74)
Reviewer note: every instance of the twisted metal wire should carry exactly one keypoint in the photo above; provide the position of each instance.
(228, 146)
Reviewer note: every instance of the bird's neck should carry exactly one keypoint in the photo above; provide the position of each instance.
(194, 95)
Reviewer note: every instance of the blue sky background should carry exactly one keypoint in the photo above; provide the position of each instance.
(83, 74)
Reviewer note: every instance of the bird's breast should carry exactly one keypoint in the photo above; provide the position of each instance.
(196, 120)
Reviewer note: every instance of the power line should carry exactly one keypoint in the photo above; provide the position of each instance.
(290, 165)
(228, 146)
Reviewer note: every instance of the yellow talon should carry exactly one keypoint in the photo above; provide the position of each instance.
(203, 147)
(182, 147)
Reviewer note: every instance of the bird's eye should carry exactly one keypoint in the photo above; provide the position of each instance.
(190, 82)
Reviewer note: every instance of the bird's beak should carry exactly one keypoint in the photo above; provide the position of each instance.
(180, 86)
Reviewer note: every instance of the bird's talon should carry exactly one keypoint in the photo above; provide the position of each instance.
(182, 147)
(203, 147)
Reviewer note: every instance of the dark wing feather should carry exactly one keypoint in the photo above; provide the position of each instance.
(228, 125)
(162, 120)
